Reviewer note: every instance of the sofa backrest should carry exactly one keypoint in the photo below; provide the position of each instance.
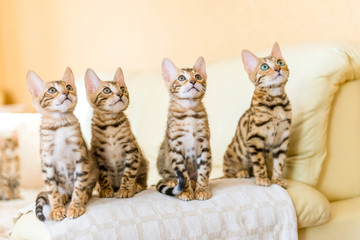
(322, 88)
(340, 176)
(317, 71)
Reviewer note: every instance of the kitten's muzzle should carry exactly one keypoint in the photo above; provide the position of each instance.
(120, 98)
(66, 98)
(193, 87)
(193, 82)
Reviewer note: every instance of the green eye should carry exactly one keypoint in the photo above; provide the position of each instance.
(52, 90)
(181, 78)
(198, 77)
(69, 87)
(106, 90)
(280, 63)
(122, 89)
(264, 67)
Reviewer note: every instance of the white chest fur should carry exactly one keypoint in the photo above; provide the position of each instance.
(66, 151)
(189, 142)
(113, 150)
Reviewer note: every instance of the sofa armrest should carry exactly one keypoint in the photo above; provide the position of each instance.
(312, 207)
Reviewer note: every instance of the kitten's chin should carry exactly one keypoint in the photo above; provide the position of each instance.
(191, 94)
(275, 82)
(56, 111)
(114, 109)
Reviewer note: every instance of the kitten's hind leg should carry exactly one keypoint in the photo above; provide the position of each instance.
(141, 179)
(140, 186)
(243, 174)
(233, 164)
(65, 198)
(171, 183)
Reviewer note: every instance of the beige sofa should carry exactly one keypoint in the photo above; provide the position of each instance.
(323, 159)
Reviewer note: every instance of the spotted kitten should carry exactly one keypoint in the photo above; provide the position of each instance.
(68, 172)
(123, 168)
(9, 168)
(262, 135)
(185, 153)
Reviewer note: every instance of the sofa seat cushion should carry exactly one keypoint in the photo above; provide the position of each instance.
(237, 209)
(312, 208)
(344, 222)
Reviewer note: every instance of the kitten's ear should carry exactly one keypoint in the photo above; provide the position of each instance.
(119, 76)
(250, 61)
(169, 70)
(15, 136)
(34, 84)
(276, 51)
(200, 66)
(69, 77)
(92, 81)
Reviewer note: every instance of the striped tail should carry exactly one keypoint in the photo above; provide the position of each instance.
(40, 202)
(172, 191)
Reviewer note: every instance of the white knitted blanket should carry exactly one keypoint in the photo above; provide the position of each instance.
(238, 209)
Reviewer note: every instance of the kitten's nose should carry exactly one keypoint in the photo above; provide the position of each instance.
(119, 95)
(277, 69)
(66, 93)
(192, 81)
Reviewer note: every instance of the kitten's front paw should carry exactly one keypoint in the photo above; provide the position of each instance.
(124, 193)
(242, 174)
(58, 214)
(279, 181)
(263, 181)
(201, 194)
(74, 212)
(186, 195)
(106, 193)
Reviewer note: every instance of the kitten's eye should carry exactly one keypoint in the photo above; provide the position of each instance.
(122, 89)
(52, 90)
(181, 78)
(280, 62)
(198, 77)
(69, 87)
(264, 67)
(106, 90)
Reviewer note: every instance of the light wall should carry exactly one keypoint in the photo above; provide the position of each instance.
(47, 36)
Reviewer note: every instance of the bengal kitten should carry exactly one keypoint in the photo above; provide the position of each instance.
(9, 168)
(123, 168)
(185, 153)
(260, 143)
(68, 171)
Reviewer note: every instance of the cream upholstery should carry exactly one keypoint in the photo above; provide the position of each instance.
(312, 208)
(343, 224)
(324, 89)
(340, 177)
